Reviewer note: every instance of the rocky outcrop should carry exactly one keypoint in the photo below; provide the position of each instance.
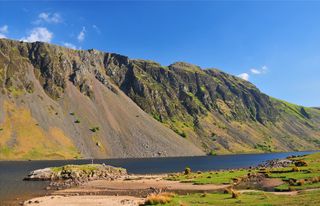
(70, 175)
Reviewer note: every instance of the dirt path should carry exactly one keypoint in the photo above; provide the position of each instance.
(85, 201)
(137, 186)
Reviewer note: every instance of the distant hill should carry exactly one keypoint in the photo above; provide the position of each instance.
(61, 103)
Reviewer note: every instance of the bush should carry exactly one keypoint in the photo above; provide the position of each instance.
(292, 182)
(183, 134)
(315, 180)
(290, 188)
(94, 129)
(300, 163)
(300, 182)
(213, 136)
(212, 153)
(77, 121)
(72, 113)
(187, 170)
(227, 191)
(295, 169)
(235, 194)
(203, 195)
(162, 198)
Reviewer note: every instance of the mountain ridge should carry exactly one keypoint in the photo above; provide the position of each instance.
(207, 109)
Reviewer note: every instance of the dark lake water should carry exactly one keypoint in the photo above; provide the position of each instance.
(12, 172)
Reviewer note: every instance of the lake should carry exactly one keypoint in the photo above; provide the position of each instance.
(13, 188)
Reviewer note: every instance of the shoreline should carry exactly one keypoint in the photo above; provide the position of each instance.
(49, 192)
(159, 157)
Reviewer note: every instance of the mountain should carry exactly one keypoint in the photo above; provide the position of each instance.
(58, 103)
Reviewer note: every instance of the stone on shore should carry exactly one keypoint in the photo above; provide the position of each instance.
(69, 175)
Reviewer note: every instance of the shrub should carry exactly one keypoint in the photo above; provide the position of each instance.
(295, 169)
(300, 163)
(187, 170)
(301, 182)
(314, 180)
(227, 191)
(292, 182)
(72, 113)
(162, 198)
(183, 134)
(235, 194)
(290, 188)
(212, 153)
(213, 136)
(77, 121)
(94, 129)
(203, 195)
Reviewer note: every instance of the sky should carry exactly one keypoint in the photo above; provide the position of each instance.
(273, 44)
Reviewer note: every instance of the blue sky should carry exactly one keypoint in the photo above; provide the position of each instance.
(275, 45)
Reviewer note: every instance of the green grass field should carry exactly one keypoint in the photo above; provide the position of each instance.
(294, 178)
(246, 199)
(220, 177)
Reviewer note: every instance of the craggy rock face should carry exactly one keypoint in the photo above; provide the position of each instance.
(81, 97)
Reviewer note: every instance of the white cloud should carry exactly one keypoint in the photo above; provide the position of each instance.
(48, 18)
(69, 45)
(244, 76)
(82, 34)
(255, 71)
(4, 29)
(96, 28)
(262, 70)
(39, 34)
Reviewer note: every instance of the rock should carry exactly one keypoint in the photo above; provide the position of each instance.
(41, 174)
(70, 175)
(276, 163)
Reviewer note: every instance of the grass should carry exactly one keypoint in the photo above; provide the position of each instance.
(159, 199)
(245, 199)
(299, 178)
(31, 141)
(264, 147)
(220, 177)
(85, 167)
(295, 178)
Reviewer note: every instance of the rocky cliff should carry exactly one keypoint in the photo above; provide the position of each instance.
(62, 103)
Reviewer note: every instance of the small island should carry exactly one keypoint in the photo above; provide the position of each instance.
(292, 181)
